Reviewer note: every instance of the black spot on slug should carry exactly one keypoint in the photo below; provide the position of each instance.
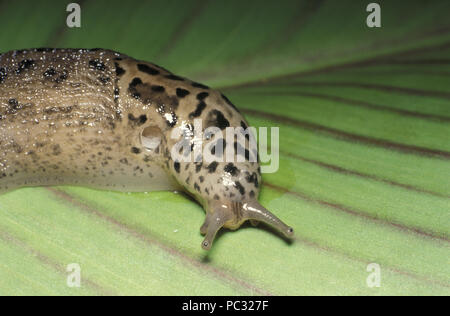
(231, 169)
(147, 69)
(96, 64)
(135, 150)
(212, 167)
(247, 155)
(137, 120)
(119, 70)
(253, 178)
(158, 88)
(245, 127)
(3, 74)
(198, 167)
(135, 82)
(216, 118)
(202, 95)
(25, 64)
(174, 77)
(199, 85)
(13, 104)
(43, 49)
(49, 73)
(197, 187)
(176, 166)
(198, 111)
(181, 93)
(63, 76)
(239, 187)
(142, 119)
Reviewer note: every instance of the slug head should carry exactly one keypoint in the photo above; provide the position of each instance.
(227, 190)
(226, 180)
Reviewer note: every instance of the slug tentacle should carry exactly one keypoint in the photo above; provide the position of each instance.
(233, 215)
(214, 221)
(256, 212)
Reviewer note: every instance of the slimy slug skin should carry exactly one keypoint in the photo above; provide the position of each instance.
(101, 119)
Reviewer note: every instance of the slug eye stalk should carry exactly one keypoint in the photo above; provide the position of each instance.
(233, 215)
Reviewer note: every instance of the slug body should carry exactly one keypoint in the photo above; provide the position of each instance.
(102, 119)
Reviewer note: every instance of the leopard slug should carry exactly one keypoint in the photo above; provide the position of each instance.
(98, 118)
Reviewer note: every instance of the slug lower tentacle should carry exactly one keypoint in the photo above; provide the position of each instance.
(99, 118)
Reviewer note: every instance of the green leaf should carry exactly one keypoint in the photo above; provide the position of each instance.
(364, 153)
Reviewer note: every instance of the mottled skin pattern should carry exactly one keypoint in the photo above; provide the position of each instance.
(85, 117)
